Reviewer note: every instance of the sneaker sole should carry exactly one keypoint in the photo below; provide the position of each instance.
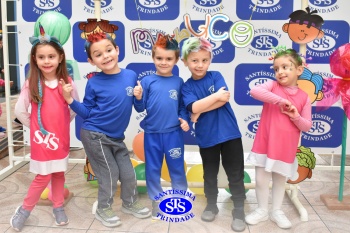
(256, 222)
(107, 224)
(124, 210)
(279, 225)
(16, 229)
(208, 219)
(238, 228)
(60, 224)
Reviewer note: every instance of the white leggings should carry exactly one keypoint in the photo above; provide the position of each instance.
(263, 178)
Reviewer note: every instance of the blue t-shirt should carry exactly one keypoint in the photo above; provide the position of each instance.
(163, 103)
(218, 125)
(107, 103)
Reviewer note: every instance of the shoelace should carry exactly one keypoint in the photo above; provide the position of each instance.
(108, 212)
(137, 205)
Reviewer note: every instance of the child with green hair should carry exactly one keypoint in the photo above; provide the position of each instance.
(206, 97)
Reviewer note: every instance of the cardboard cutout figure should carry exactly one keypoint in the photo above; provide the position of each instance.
(304, 26)
(92, 25)
(312, 84)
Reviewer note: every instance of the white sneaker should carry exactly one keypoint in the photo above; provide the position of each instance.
(280, 219)
(258, 215)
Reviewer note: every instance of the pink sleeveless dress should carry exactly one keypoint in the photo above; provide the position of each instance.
(49, 153)
(277, 137)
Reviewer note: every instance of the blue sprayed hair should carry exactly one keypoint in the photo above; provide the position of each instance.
(166, 42)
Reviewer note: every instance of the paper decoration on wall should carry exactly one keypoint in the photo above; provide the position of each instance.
(306, 162)
(92, 25)
(304, 26)
(312, 84)
(241, 34)
(337, 88)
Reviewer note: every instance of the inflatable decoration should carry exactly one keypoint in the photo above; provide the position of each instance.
(140, 171)
(137, 146)
(195, 174)
(165, 171)
(336, 88)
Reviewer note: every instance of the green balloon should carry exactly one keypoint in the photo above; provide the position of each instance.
(55, 24)
(140, 172)
(246, 180)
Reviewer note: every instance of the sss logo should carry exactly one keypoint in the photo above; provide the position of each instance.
(251, 76)
(175, 206)
(325, 129)
(319, 127)
(253, 126)
(104, 3)
(264, 9)
(264, 42)
(152, 3)
(208, 3)
(46, 4)
(39, 7)
(322, 3)
(336, 33)
(152, 9)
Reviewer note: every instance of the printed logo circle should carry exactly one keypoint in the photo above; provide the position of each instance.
(175, 206)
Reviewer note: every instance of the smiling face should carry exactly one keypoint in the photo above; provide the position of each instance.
(198, 63)
(302, 34)
(286, 71)
(164, 60)
(105, 56)
(47, 59)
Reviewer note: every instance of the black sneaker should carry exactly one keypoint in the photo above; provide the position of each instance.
(17, 122)
(238, 223)
(210, 212)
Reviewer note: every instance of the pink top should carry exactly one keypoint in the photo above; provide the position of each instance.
(49, 153)
(278, 135)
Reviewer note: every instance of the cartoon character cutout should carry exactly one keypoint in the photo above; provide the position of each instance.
(312, 84)
(304, 26)
(92, 25)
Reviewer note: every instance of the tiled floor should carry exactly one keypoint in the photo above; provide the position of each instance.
(14, 187)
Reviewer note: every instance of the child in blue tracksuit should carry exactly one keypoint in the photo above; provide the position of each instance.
(166, 116)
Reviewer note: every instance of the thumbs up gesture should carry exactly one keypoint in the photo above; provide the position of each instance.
(138, 91)
(184, 125)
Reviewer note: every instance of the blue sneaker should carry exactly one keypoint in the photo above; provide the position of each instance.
(2, 129)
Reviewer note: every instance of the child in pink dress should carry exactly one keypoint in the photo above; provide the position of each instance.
(49, 121)
(286, 112)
